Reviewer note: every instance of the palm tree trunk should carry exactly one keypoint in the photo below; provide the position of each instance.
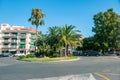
(36, 33)
(65, 50)
(36, 39)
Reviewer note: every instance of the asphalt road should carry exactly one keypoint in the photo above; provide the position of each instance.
(108, 67)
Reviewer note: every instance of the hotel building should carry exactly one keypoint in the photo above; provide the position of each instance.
(17, 39)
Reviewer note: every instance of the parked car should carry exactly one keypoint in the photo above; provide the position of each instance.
(93, 53)
(19, 54)
(118, 53)
(6, 55)
(0, 55)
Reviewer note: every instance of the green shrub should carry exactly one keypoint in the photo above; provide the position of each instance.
(56, 54)
(21, 57)
(30, 56)
(39, 54)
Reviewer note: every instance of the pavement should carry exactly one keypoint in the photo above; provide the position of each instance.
(101, 68)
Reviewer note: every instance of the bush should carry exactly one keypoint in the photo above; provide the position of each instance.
(56, 54)
(37, 54)
(30, 56)
(21, 57)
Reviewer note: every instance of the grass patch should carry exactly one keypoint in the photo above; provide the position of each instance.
(48, 59)
(72, 57)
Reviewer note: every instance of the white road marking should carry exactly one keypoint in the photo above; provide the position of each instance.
(87, 76)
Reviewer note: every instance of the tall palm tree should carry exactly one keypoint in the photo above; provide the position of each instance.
(37, 18)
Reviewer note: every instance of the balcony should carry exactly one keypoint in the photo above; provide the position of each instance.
(6, 41)
(13, 41)
(22, 42)
(6, 35)
(32, 37)
(9, 41)
(4, 49)
(4, 46)
(22, 36)
(13, 35)
(10, 35)
(15, 46)
(32, 42)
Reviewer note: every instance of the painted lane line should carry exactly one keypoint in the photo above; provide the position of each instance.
(114, 74)
(102, 76)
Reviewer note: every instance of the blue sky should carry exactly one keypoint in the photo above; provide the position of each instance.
(58, 12)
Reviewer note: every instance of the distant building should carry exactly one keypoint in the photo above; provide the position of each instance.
(17, 39)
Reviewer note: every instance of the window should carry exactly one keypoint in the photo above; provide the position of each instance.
(22, 46)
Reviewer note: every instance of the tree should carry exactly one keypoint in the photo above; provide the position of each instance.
(68, 37)
(37, 18)
(42, 45)
(106, 24)
(56, 39)
(53, 37)
(89, 43)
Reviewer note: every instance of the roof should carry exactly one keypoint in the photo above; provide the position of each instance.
(8, 28)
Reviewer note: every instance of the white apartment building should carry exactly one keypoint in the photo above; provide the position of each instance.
(17, 39)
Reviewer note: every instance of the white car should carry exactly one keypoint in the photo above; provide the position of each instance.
(20, 54)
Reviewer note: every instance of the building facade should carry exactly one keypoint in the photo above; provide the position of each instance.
(17, 39)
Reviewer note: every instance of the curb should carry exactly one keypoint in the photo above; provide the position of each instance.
(67, 60)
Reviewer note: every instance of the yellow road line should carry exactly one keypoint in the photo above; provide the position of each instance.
(112, 74)
(102, 76)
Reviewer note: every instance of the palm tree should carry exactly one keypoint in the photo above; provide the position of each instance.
(37, 18)
(42, 45)
(53, 37)
(68, 37)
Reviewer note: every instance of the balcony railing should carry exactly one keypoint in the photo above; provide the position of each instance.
(13, 35)
(6, 35)
(9, 35)
(6, 41)
(9, 41)
(22, 35)
(5, 46)
(13, 41)
(15, 46)
(33, 37)
(31, 42)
